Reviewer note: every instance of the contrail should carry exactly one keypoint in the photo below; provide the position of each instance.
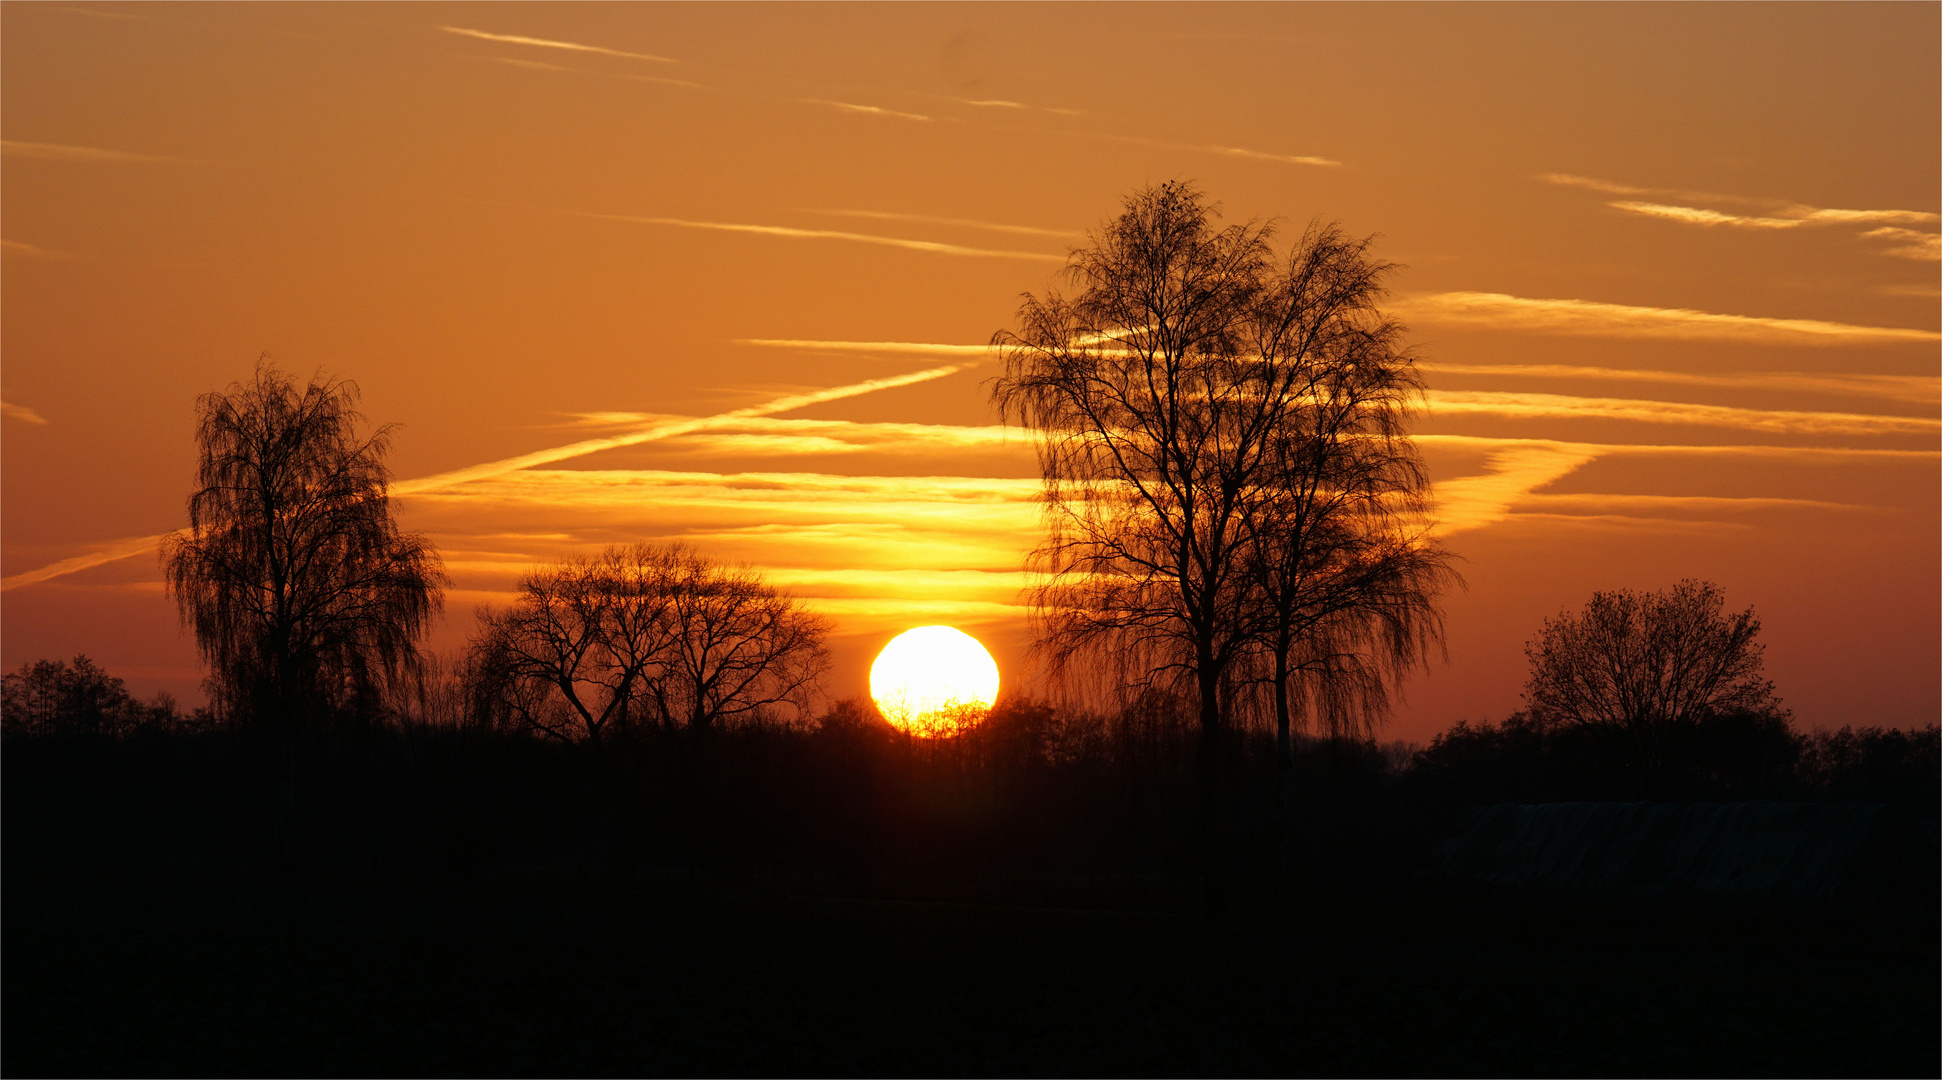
(547, 43)
(119, 550)
(662, 430)
(919, 347)
(829, 234)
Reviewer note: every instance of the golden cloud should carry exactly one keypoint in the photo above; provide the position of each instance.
(1924, 389)
(1501, 311)
(1523, 405)
(931, 246)
(547, 43)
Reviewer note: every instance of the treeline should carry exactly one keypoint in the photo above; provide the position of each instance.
(1730, 757)
(55, 699)
(1035, 799)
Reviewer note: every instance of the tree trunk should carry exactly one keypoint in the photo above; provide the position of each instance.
(1284, 761)
(1213, 864)
(287, 810)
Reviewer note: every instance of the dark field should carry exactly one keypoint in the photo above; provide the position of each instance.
(183, 976)
(232, 978)
(146, 932)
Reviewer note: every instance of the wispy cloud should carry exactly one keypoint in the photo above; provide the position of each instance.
(991, 586)
(864, 549)
(1845, 217)
(1914, 244)
(1521, 468)
(92, 155)
(1695, 216)
(917, 348)
(954, 542)
(1472, 502)
(496, 469)
(877, 498)
(866, 110)
(1530, 406)
(1224, 151)
(994, 103)
(15, 247)
(1778, 214)
(830, 234)
(925, 219)
(529, 65)
(541, 65)
(662, 429)
(21, 413)
(102, 554)
(1922, 389)
(1606, 187)
(1491, 443)
(1505, 312)
(1925, 389)
(613, 419)
(547, 43)
(1788, 218)
(1780, 208)
(1258, 155)
(1710, 504)
(770, 436)
(1192, 148)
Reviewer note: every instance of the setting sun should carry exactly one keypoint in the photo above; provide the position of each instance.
(545, 493)
(926, 679)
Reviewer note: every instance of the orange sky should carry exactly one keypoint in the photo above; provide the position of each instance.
(1673, 268)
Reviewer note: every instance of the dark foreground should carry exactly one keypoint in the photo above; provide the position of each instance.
(410, 975)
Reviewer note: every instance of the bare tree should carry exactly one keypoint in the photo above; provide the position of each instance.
(646, 634)
(740, 646)
(1227, 478)
(1151, 427)
(1641, 665)
(302, 591)
(573, 657)
(1345, 573)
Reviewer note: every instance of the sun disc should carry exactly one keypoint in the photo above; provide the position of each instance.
(933, 680)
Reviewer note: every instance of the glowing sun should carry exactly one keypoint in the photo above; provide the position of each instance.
(933, 680)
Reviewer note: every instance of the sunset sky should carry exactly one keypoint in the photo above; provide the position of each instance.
(725, 273)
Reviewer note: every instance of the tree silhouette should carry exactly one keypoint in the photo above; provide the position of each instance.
(1344, 573)
(1152, 422)
(1226, 474)
(1642, 667)
(740, 645)
(49, 697)
(301, 590)
(646, 633)
(571, 658)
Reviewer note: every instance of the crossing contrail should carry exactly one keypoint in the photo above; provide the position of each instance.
(663, 429)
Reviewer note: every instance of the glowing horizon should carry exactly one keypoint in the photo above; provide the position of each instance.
(933, 681)
(634, 273)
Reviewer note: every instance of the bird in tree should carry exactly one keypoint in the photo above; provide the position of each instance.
(303, 593)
